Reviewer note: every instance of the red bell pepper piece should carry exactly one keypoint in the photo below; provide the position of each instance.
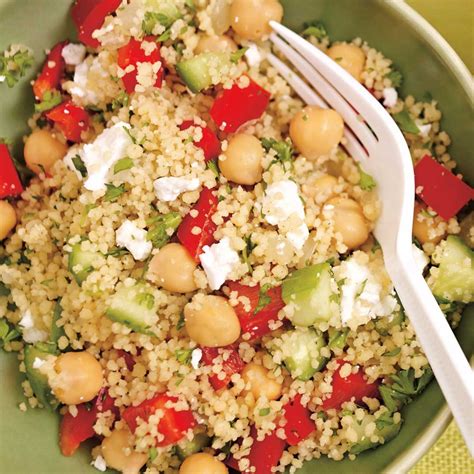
(236, 106)
(128, 358)
(173, 425)
(89, 15)
(131, 55)
(76, 429)
(10, 184)
(209, 143)
(71, 119)
(440, 189)
(206, 206)
(353, 386)
(256, 323)
(52, 72)
(232, 365)
(299, 424)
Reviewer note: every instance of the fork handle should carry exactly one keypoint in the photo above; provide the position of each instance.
(449, 364)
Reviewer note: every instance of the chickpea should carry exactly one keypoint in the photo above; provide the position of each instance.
(211, 321)
(250, 18)
(7, 219)
(173, 269)
(215, 44)
(350, 57)
(42, 150)
(202, 463)
(115, 453)
(261, 385)
(321, 188)
(425, 228)
(349, 221)
(316, 131)
(79, 378)
(243, 160)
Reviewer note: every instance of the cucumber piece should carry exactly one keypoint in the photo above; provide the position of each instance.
(455, 278)
(310, 291)
(164, 12)
(304, 345)
(134, 307)
(39, 381)
(198, 443)
(81, 262)
(337, 339)
(198, 72)
(385, 428)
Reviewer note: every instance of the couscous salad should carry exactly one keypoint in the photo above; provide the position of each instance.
(187, 269)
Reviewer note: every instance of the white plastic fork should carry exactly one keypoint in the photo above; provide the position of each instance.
(374, 139)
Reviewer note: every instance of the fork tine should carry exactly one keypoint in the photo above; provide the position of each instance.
(312, 98)
(327, 91)
(352, 91)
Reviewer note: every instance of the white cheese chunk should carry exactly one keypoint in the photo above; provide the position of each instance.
(196, 356)
(31, 334)
(82, 88)
(390, 96)
(168, 189)
(424, 129)
(134, 239)
(99, 463)
(218, 261)
(281, 203)
(73, 54)
(253, 55)
(38, 363)
(421, 259)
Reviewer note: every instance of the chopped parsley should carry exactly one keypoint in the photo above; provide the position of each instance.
(117, 252)
(284, 150)
(314, 28)
(183, 356)
(145, 299)
(14, 63)
(395, 77)
(236, 56)
(4, 290)
(56, 331)
(122, 100)
(181, 322)
(79, 165)
(123, 165)
(392, 353)
(152, 453)
(405, 122)
(337, 339)
(263, 298)
(264, 411)
(366, 182)
(212, 165)
(7, 332)
(384, 420)
(50, 99)
(249, 246)
(114, 192)
(162, 227)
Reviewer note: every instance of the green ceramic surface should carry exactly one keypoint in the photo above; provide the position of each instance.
(28, 441)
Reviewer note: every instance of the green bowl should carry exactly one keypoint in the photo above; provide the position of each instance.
(28, 441)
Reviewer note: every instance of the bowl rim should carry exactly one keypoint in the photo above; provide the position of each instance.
(448, 55)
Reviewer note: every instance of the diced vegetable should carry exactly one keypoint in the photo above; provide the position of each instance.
(71, 119)
(454, 280)
(233, 364)
(236, 106)
(165, 13)
(337, 339)
(50, 76)
(159, 228)
(209, 143)
(14, 63)
(199, 71)
(128, 358)
(311, 293)
(173, 425)
(299, 424)
(76, 429)
(345, 389)
(263, 307)
(440, 189)
(385, 429)
(134, 307)
(206, 206)
(56, 331)
(185, 448)
(81, 262)
(134, 53)
(39, 381)
(89, 15)
(304, 345)
(10, 184)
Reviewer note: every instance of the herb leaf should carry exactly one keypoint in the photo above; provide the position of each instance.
(4, 290)
(392, 353)
(79, 165)
(366, 182)
(123, 164)
(122, 100)
(249, 246)
(395, 78)
(183, 355)
(212, 165)
(263, 298)
(114, 192)
(50, 99)
(7, 332)
(117, 252)
(236, 56)
(14, 64)
(145, 299)
(314, 28)
(284, 150)
(160, 227)
(405, 122)
(264, 411)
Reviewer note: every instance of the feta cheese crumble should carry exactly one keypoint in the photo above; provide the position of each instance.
(282, 203)
(421, 259)
(196, 356)
(99, 463)
(390, 96)
(218, 261)
(168, 189)
(424, 128)
(134, 239)
(38, 363)
(362, 295)
(253, 55)
(100, 155)
(73, 54)
(30, 333)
